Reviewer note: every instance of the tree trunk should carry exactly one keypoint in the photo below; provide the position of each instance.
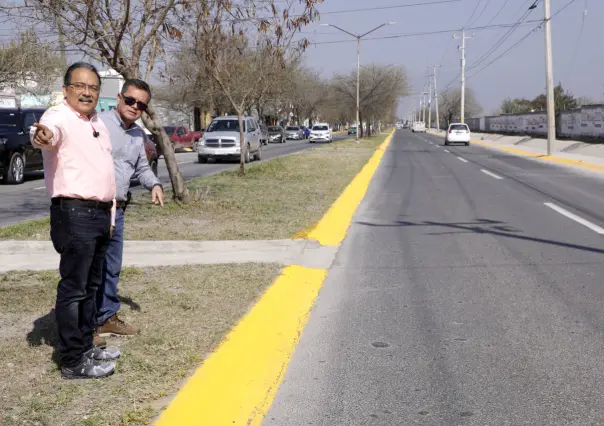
(242, 145)
(360, 125)
(179, 189)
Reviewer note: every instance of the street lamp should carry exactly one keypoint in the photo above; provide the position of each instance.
(358, 37)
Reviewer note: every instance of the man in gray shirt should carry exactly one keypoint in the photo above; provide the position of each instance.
(130, 160)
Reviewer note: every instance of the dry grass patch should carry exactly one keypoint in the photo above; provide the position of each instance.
(274, 200)
(183, 313)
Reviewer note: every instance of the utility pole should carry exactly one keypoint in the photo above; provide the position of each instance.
(462, 49)
(430, 104)
(436, 100)
(549, 78)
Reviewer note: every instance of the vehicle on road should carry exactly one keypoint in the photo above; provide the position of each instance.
(276, 134)
(419, 126)
(352, 130)
(294, 132)
(17, 154)
(221, 140)
(458, 133)
(263, 133)
(321, 133)
(182, 138)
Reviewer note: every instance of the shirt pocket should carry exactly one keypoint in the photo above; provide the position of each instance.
(131, 151)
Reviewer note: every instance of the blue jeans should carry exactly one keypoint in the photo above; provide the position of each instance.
(107, 302)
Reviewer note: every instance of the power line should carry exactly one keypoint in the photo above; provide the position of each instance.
(388, 7)
(572, 61)
(473, 13)
(482, 13)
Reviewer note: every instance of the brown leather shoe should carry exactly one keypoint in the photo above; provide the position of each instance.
(99, 341)
(116, 327)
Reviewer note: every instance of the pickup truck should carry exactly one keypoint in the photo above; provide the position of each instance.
(182, 138)
(17, 155)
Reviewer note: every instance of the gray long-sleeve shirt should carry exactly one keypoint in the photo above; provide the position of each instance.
(129, 157)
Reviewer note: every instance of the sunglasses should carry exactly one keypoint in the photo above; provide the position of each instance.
(131, 101)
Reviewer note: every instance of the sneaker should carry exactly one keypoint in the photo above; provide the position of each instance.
(103, 354)
(114, 326)
(88, 369)
(99, 341)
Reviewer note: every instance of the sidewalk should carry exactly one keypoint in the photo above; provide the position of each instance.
(566, 152)
(41, 255)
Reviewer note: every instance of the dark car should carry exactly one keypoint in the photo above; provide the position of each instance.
(276, 134)
(17, 154)
(151, 151)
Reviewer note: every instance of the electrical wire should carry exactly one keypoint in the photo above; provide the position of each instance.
(572, 61)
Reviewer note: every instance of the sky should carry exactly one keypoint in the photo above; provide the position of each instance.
(577, 40)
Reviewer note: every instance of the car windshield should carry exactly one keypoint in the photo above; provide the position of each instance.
(224, 126)
(293, 128)
(459, 127)
(9, 119)
(320, 128)
(169, 130)
(274, 129)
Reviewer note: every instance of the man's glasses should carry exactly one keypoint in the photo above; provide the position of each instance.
(81, 87)
(131, 101)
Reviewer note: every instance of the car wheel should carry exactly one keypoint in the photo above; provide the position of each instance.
(15, 172)
(201, 159)
(467, 143)
(153, 166)
(247, 154)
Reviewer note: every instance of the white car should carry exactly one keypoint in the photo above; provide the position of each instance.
(221, 140)
(458, 133)
(418, 126)
(320, 133)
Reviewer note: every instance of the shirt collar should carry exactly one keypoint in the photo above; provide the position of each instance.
(117, 117)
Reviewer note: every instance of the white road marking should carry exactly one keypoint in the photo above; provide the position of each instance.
(462, 159)
(446, 150)
(576, 218)
(40, 187)
(486, 172)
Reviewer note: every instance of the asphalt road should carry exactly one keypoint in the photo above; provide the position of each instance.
(30, 200)
(469, 291)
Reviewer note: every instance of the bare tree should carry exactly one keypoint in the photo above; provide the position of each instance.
(450, 104)
(243, 45)
(381, 87)
(26, 64)
(128, 35)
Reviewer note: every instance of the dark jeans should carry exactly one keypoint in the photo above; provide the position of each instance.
(80, 235)
(107, 302)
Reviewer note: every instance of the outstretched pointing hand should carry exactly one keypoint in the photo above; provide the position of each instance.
(43, 135)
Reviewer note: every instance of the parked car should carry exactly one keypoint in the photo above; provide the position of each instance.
(458, 133)
(352, 130)
(276, 134)
(17, 154)
(418, 126)
(294, 132)
(321, 133)
(221, 141)
(182, 138)
(263, 133)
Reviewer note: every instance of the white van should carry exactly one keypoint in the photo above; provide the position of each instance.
(418, 126)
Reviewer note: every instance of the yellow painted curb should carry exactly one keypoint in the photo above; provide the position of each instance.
(237, 383)
(553, 159)
(331, 229)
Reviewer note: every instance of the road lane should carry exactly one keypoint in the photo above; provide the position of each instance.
(30, 200)
(455, 299)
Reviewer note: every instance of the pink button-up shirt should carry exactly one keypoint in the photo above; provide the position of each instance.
(76, 164)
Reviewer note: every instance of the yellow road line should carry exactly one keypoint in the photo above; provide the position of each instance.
(331, 229)
(238, 382)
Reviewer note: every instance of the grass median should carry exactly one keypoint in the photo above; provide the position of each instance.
(183, 313)
(274, 200)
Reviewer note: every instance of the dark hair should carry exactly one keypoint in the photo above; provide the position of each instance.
(139, 84)
(78, 65)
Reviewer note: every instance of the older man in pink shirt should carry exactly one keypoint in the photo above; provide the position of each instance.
(80, 179)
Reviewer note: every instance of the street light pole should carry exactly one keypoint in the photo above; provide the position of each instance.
(358, 37)
(549, 81)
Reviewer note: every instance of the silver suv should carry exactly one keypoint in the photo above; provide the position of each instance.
(221, 140)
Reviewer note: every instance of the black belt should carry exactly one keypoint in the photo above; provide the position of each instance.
(76, 202)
